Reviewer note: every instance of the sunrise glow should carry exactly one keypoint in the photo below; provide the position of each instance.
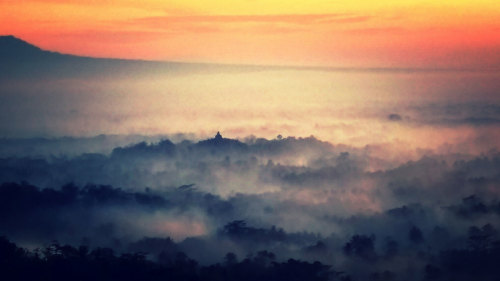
(459, 34)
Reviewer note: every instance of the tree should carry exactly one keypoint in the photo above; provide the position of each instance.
(480, 239)
(415, 235)
(361, 246)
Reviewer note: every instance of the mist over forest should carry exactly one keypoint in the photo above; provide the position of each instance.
(262, 202)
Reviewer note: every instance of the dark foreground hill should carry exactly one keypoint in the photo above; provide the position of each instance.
(58, 262)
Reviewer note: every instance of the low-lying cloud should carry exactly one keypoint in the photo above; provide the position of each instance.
(297, 198)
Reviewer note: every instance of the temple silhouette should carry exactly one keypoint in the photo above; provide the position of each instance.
(218, 136)
(219, 142)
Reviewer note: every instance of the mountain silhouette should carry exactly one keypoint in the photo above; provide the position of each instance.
(21, 59)
(12, 49)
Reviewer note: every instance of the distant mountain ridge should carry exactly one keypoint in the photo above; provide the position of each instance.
(21, 59)
(14, 48)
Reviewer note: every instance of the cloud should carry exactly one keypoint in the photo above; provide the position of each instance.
(304, 19)
(248, 23)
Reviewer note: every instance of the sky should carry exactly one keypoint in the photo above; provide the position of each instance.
(361, 33)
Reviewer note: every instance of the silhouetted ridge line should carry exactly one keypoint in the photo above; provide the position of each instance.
(22, 60)
(10, 45)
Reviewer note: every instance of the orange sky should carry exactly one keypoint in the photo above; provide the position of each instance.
(317, 32)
